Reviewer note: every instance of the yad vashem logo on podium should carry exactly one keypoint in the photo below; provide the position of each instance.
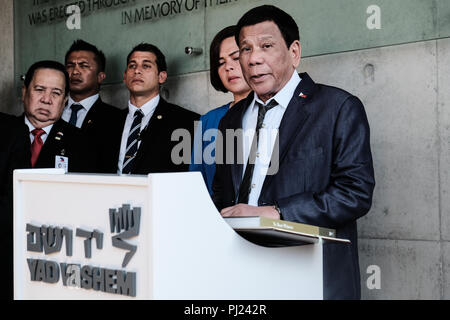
(48, 240)
(126, 221)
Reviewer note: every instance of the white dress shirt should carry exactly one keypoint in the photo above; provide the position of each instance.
(267, 135)
(31, 128)
(81, 115)
(148, 109)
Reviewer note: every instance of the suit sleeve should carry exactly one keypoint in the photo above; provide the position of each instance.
(18, 158)
(348, 194)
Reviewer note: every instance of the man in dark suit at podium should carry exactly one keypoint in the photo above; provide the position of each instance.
(148, 123)
(320, 170)
(14, 154)
(54, 143)
(85, 65)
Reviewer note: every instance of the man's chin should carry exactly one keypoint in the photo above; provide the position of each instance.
(41, 122)
(142, 92)
(264, 95)
(77, 89)
(45, 119)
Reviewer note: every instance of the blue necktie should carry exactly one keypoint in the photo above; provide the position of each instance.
(74, 115)
(132, 142)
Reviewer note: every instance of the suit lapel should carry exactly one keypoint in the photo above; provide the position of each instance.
(292, 122)
(53, 146)
(155, 122)
(154, 125)
(92, 114)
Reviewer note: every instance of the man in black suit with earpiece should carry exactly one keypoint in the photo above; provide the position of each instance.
(99, 121)
(150, 125)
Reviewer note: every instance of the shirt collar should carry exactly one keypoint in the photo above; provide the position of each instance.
(85, 103)
(146, 108)
(284, 96)
(31, 127)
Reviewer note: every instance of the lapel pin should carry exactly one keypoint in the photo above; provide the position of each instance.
(302, 95)
(59, 135)
(89, 121)
(159, 117)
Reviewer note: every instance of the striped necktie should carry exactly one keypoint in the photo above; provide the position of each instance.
(246, 187)
(132, 142)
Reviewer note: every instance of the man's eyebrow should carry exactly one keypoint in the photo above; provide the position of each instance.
(39, 86)
(74, 62)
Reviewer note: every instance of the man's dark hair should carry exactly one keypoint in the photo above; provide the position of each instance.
(214, 55)
(47, 64)
(81, 45)
(288, 27)
(147, 47)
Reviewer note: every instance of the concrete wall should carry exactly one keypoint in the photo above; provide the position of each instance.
(7, 103)
(406, 233)
(405, 91)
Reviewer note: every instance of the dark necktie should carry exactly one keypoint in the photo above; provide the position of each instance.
(36, 146)
(245, 187)
(74, 115)
(132, 142)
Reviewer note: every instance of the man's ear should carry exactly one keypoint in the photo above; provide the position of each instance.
(162, 76)
(100, 77)
(295, 51)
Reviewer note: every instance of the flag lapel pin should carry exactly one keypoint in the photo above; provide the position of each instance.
(59, 135)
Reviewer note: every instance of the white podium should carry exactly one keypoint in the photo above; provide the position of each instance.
(183, 247)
